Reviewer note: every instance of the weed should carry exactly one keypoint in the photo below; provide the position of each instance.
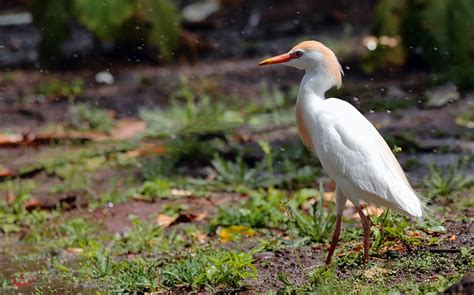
(100, 264)
(392, 229)
(158, 188)
(135, 276)
(319, 224)
(260, 210)
(191, 117)
(88, 117)
(442, 183)
(189, 273)
(13, 215)
(62, 89)
(114, 194)
(210, 268)
(77, 232)
(237, 173)
(142, 237)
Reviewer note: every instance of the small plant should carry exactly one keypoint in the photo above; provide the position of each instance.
(196, 115)
(442, 183)
(237, 173)
(88, 117)
(136, 276)
(157, 188)
(57, 88)
(319, 224)
(100, 264)
(259, 211)
(77, 232)
(142, 237)
(210, 268)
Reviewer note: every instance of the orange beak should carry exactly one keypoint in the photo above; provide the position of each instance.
(277, 59)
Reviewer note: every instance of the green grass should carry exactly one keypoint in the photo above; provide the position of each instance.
(318, 224)
(88, 117)
(441, 182)
(258, 191)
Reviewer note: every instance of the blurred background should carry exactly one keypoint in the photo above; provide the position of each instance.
(115, 108)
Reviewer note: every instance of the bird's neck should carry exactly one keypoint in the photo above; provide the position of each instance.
(313, 86)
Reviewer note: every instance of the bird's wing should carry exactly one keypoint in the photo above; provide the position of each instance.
(352, 148)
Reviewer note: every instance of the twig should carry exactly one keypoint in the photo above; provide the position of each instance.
(438, 250)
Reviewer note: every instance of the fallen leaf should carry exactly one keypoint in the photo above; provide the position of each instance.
(190, 217)
(127, 128)
(7, 139)
(75, 250)
(181, 193)
(413, 234)
(183, 217)
(375, 272)
(31, 204)
(145, 150)
(5, 172)
(199, 236)
(47, 137)
(374, 211)
(229, 233)
(165, 220)
(453, 238)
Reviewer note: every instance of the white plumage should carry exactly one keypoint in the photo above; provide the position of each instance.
(351, 150)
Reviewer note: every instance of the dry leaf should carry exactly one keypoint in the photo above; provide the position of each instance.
(5, 172)
(199, 236)
(127, 128)
(329, 196)
(183, 217)
(145, 150)
(229, 233)
(375, 272)
(181, 193)
(413, 234)
(374, 211)
(8, 139)
(31, 204)
(47, 137)
(190, 217)
(165, 220)
(75, 250)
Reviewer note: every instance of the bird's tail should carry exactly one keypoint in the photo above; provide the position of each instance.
(416, 205)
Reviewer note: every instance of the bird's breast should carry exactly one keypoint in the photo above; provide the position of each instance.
(303, 127)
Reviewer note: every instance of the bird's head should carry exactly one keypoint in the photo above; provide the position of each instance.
(311, 56)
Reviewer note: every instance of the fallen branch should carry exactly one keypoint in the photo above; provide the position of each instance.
(438, 250)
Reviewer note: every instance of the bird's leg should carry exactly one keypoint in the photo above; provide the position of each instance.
(366, 226)
(335, 238)
(367, 214)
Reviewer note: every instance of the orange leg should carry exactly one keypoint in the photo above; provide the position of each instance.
(335, 239)
(366, 225)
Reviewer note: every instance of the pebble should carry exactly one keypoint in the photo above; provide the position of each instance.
(263, 256)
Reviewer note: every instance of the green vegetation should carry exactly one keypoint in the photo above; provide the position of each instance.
(87, 117)
(429, 27)
(441, 183)
(57, 89)
(210, 200)
(126, 21)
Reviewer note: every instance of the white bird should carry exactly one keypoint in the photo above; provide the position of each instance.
(349, 147)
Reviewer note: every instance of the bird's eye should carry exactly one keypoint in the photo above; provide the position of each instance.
(298, 53)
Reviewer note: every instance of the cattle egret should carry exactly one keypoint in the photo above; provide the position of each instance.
(350, 149)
